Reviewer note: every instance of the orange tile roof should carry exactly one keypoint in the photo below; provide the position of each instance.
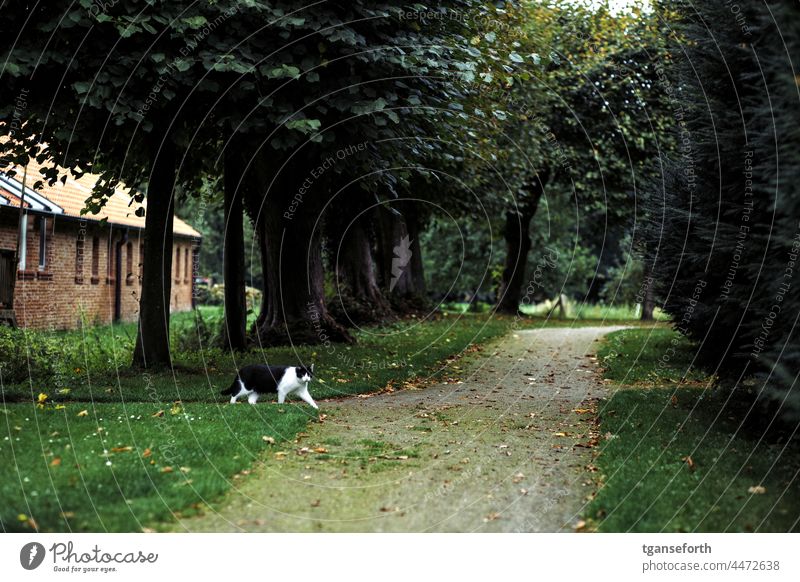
(71, 197)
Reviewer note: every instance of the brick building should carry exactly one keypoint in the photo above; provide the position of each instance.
(72, 266)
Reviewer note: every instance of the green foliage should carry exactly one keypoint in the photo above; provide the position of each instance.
(724, 232)
(461, 256)
(625, 278)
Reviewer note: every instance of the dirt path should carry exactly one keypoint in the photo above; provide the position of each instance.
(496, 452)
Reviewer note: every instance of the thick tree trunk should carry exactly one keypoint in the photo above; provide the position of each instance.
(518, 244)
(152, 341)
(358, 300)
(294, 299)
(234, 328)
(400, 259)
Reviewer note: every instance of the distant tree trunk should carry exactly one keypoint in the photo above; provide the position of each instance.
(649, 304)
(294, 299)
(358, 299)
(234, 328)
(261, 233)
(400, 259)
(152, 341)
(518, 244)
(416, 268)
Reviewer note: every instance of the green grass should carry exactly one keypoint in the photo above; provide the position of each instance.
(57, 478)
(676, 457)
(648, 356)
(590, 312)
(118, 468)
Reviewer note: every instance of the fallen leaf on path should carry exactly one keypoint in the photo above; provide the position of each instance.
(158, 414)
(582, 410)
(55, 462)
(125, 449)
(147, 452)
(315, 503)
(491, 517)
(320, 450)
(757, 490)
(83, 413)
(517, 478)
(689, 462)
(580, 526)
(166, 469)
(268, 439)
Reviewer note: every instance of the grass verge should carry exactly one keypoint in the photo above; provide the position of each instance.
(119, 452)
(676, 456)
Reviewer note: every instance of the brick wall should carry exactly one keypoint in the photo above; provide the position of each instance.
(80, 280)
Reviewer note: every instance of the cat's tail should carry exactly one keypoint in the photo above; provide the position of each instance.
(233, 389)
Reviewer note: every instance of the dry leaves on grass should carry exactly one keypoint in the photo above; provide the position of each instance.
(757, 490)
(689, 462)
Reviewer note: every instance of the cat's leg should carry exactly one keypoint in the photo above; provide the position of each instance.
(242, 391)
(303, 393)
(281, 396)
(252, 398)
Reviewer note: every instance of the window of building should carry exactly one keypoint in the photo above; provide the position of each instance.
(42, 243)
(110, 261)
(186, 265)
(177, 264)
(129, 263)
(95, 260)
(79, 261)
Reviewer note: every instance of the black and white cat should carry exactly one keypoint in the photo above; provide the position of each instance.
(254, 380)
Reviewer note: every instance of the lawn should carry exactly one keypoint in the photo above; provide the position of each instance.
(675, 455)
(94, 449)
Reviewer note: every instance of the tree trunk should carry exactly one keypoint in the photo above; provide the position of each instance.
(152, 341)
(294, 296)
(260, 228)
(234, 329)
(358, 300)
(400, 259)
(518, 244)
(649, 303)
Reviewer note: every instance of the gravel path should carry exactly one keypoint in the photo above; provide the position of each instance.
(507, 449)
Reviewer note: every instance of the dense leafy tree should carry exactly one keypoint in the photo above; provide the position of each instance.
(724, 231)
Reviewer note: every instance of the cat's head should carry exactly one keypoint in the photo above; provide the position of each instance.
(305, 374)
